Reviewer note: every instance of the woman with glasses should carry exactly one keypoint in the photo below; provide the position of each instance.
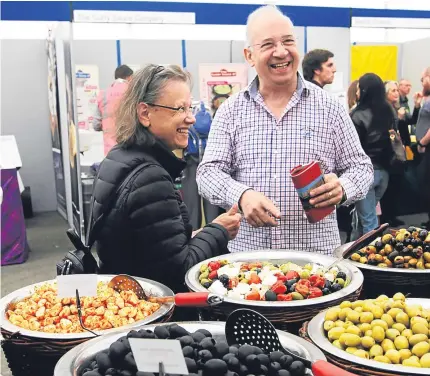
(146, 232)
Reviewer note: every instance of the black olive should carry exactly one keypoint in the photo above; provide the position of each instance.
(221, 348)
(275, 356)
(290, 282)
(423, 234)
(206, 285)
(270, 296)
(191, 365)
(258, 351)
(264, 370)
(130, 363)
(149, 334)
(427, 248)
(226, 357)
(335, 287)
(93, 364)
(103, 362)
(264, 359)
(231, 373)
(243, 370)
(286, 361)
(207, 343)
(214, 367)
(399, 246)
(197, 336)
(411, 229)
(341, 275)
(188, 352)
(126, 372)
(252, 362)
(204, 355)
(233, 364)
(224, 280)
(274, 367)
(378, 245)
(178, 331)
(393, 255)
(161, 332)
(283, 372)
(207, 333)
(244, 351)
(133, 334)
(292, 288)
(297, 368)
(111, 372)
(186, 341)
(117, 352)
(92, 373)
(407, 241)
(233, 350)
(327, 284)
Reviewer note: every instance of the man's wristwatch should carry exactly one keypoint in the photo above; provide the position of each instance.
(344, 198)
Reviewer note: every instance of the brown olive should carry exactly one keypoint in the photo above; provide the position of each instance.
(388, 249)
(399, 260)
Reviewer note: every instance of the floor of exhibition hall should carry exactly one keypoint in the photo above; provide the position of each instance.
(48, 242)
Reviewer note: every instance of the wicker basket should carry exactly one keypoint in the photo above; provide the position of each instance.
(31, 353)
(286, 316)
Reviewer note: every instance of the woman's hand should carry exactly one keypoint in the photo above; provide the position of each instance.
(401, 113)
(230, 221)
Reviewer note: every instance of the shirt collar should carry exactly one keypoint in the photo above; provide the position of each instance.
(302, 88)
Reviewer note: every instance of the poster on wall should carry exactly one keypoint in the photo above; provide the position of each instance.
(87, 89)
(55, 127)
(219, 81)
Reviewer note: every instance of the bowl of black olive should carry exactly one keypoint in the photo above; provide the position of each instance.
(397, 261)
(204, 347)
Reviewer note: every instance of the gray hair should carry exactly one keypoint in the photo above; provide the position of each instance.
(265, 10)
(146, 86)
(389, 84)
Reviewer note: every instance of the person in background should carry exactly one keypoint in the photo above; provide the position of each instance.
(389, 200)
(423, 138)
(318, 67)
(373, 118)
(352, 95)
(260, 134)
(107, 104)
(404, 90)
(147, 232)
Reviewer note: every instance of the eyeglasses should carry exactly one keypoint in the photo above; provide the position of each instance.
(181, 110)
(288, 41)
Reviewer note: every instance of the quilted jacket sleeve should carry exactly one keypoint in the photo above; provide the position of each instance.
(161, 232)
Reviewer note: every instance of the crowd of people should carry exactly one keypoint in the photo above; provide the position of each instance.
(283, 119)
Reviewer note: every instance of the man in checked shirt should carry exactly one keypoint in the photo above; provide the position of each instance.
(278, 122)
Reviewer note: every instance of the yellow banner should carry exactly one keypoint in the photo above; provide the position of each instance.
(381, 60)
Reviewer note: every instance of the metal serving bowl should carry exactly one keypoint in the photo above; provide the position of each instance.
(31, 352)
(282, 311)
(69, 364)
(377, 281)
(315, 331)
(154, 287)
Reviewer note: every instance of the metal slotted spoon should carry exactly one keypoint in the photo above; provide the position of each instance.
(247, 327)
(124, 282)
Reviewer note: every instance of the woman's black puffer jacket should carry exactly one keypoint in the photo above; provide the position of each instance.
(147, 232)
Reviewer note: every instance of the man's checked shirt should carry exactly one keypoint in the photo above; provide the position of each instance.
(249, 148)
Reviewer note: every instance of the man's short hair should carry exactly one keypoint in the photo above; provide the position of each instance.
(123, 71)
(313, 61)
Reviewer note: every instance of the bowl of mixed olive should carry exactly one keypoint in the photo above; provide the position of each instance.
(398, 258)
